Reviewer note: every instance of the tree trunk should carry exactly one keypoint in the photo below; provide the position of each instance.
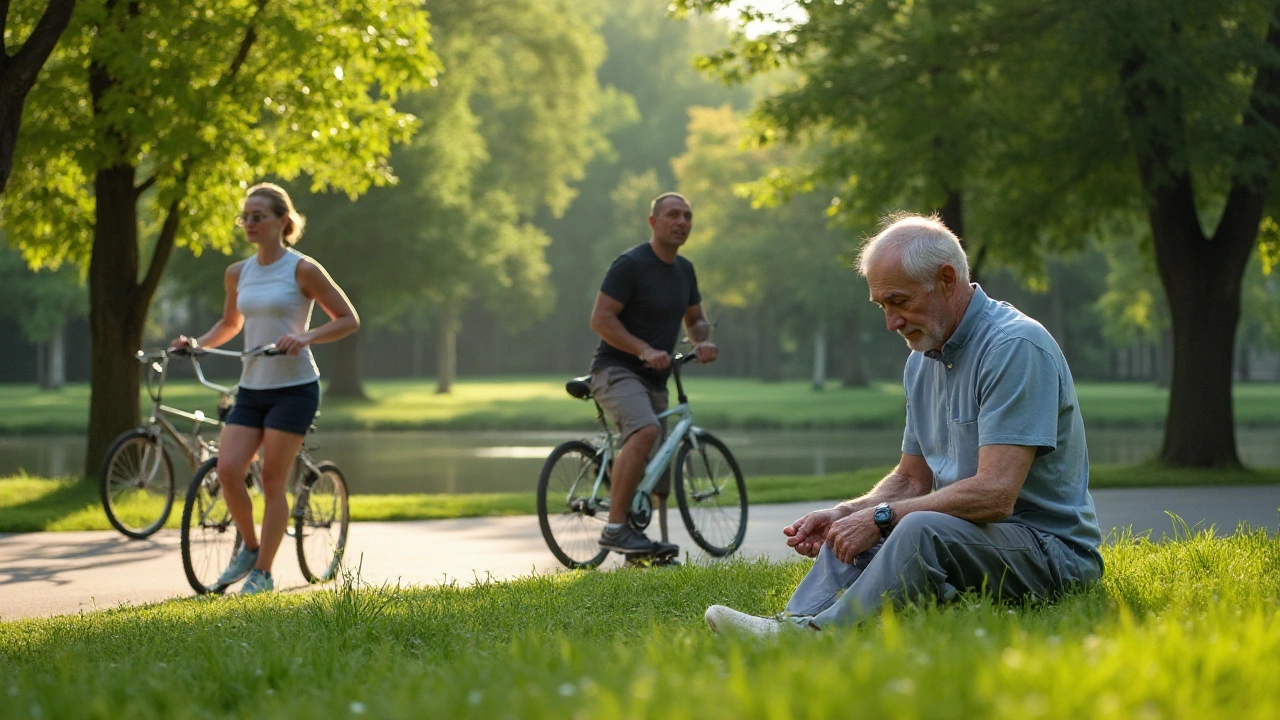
(53, 371)
(1164, 359)
(447, 350)
(418, 352)
(855, 375)
(345, 379)
(117, 312)
(1201, 276)
(952, 215)
(1058, 313)
(819, 358)
(770, 352)
(1200, 429)
(18, 71)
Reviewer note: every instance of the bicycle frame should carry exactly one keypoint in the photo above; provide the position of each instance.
(663, 458)
(309, 468)
(197, 449)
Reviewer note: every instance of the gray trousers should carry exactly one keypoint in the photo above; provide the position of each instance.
(932, 556)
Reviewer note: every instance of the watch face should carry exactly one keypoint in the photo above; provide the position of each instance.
(883, 515)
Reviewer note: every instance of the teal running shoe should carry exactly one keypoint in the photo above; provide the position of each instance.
(259, 581)
(239, 567)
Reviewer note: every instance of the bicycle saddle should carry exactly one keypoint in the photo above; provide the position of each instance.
(579, 387)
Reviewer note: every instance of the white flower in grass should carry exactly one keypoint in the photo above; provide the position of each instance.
(474, 697)
(567, 689)
(357, 707)
(901, 686)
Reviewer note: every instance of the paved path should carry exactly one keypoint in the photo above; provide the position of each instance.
(45, 574)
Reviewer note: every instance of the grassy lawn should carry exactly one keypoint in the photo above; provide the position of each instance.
(31, 504)
(540, 403)
(1184, 629)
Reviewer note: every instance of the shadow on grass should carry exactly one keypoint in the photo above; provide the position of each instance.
(39, 509)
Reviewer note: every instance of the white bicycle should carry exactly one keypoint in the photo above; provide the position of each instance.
(573, 489)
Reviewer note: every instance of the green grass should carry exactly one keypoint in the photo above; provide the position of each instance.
(32, 504)
(541, 404)
(1184, 629)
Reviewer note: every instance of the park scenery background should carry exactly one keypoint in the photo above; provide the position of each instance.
(469, 169)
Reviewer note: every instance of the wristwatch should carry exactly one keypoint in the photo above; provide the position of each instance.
(884, 518)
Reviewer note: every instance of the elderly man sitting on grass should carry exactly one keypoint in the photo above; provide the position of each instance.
(992, 491)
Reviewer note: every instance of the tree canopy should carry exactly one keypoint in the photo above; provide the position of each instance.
(151, 119)
(1048, 123)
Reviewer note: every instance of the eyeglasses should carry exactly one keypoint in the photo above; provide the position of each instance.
(252, 218)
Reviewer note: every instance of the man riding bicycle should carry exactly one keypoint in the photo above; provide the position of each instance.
(645, 295)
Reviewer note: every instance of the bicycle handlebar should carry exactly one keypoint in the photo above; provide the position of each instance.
(195, 352)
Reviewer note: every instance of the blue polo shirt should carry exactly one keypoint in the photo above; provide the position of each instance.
(1001, 379)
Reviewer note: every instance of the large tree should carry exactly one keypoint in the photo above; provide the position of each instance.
(510, 127)
(19, 69)
(1104, 109)
(769, 247)
(153, 117)
(42, 303)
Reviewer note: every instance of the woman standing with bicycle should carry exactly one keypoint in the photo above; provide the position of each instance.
(270, 296)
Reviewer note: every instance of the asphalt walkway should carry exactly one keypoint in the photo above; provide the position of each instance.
(44, 574)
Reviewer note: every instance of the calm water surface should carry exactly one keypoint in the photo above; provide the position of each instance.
(459, 462)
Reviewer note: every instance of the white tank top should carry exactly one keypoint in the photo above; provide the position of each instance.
(273, 305)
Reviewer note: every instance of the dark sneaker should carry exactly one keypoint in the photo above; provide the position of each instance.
(626, 540)
(663, 554)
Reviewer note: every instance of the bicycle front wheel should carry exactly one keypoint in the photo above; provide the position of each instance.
(320, 525)
(136, 483)
(570, 515)
(209, 534)
(712, 495)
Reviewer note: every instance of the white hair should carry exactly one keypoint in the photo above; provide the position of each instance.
(924, 245)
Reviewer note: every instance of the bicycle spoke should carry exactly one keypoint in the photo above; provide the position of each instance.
(712, 496)
(569, 512)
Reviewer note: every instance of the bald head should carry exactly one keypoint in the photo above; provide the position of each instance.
(919, 245)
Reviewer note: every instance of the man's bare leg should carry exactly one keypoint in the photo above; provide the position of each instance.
(628, 469)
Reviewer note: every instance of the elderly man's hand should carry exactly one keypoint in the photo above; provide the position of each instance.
(853, 535)
(808, 533)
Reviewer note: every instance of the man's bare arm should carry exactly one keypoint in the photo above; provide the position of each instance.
(699, 331)
(606, 324)
(911, 478)
(988, 496)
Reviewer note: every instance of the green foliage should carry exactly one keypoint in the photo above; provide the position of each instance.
(651, 79)
(505, 132)
(756, 250)
(1184, 629)
(42, 301)
(204, 98)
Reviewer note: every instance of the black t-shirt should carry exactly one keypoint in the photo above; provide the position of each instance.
(654, 297)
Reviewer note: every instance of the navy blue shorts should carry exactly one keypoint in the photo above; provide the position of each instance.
(288, 409)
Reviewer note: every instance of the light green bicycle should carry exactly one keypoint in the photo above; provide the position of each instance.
(573, 489)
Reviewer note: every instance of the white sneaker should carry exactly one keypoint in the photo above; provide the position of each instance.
(725, 619)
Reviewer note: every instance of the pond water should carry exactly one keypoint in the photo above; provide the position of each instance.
(459, 462)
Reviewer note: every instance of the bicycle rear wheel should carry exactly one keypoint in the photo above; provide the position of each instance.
(712, 495)
(320, 525)
(209, 535)
(571, 519)
(136, 483)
